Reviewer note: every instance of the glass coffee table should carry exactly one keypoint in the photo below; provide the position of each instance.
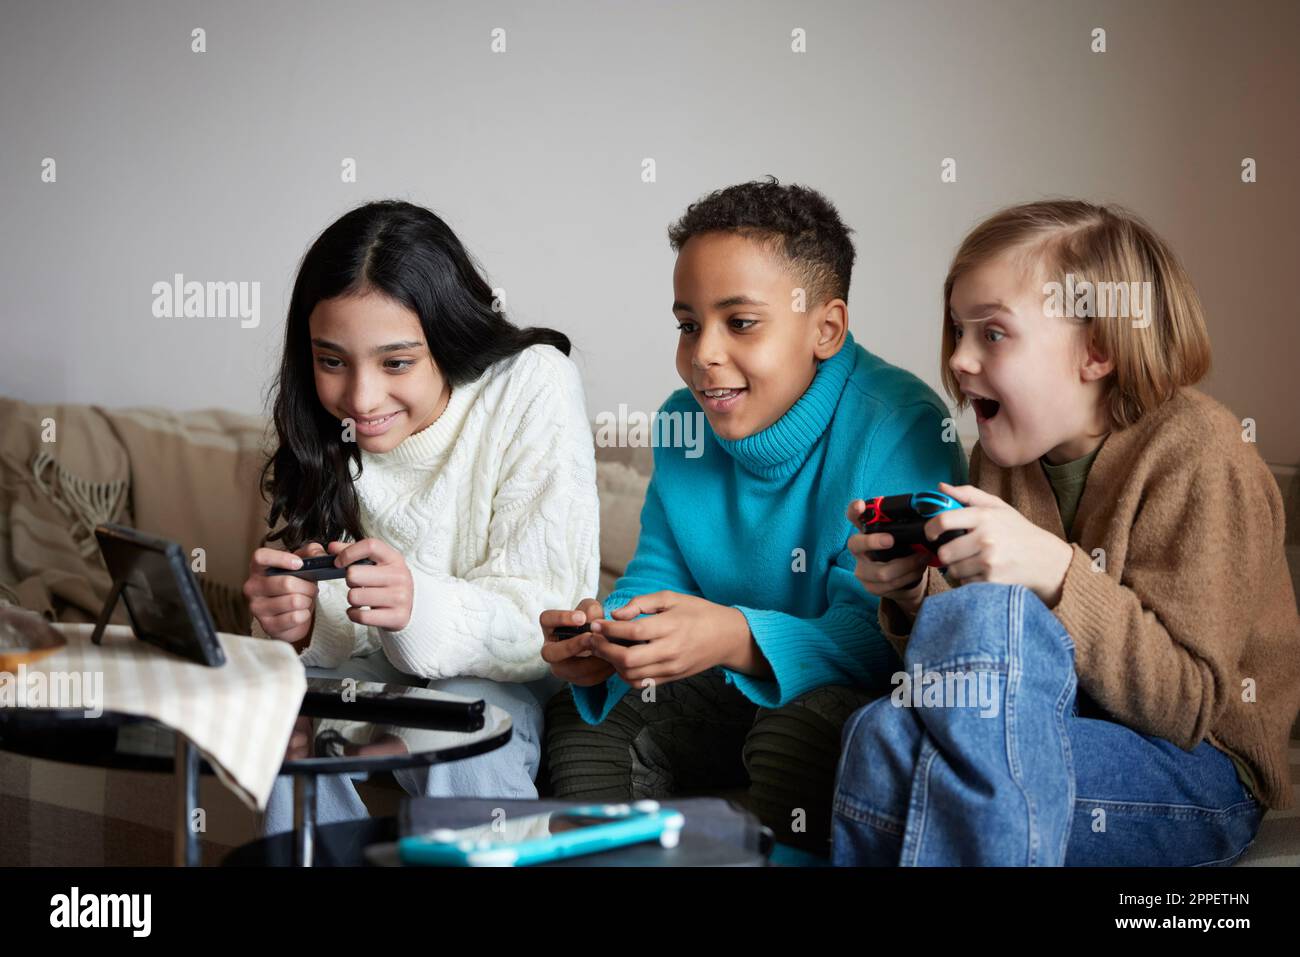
(405, 727)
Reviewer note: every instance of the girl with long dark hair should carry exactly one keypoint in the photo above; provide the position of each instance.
(418, 428)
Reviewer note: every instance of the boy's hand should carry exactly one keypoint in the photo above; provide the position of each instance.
(901, 579)
(570, 658)
(1002, 545)
(378, 594)
(686, 635)
(283, 605)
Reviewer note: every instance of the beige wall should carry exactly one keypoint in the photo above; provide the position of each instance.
(223, 165)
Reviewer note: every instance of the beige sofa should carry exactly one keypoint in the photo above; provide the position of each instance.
(188, 468)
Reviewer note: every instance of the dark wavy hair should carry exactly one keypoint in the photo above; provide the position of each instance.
(795, 222)
(407, 253)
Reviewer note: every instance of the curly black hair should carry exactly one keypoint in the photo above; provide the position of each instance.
(796, 222)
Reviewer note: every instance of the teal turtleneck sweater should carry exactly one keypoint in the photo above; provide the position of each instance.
(758, 524)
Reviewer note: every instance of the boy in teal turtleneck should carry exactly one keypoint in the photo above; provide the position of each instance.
(759, 641)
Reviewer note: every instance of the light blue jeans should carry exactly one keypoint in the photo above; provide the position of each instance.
(507, 772)
(1019, 776)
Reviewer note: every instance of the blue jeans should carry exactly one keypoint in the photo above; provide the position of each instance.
(1013, 774)
(507, 772)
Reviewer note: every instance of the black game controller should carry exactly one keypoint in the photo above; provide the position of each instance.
(320, 568)
(562, 632)
(904, 517)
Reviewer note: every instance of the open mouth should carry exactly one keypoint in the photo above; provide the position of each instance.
(376, 425)
(985, 408)
(720, 400)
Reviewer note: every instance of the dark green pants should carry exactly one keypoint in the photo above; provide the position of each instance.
(702, 734)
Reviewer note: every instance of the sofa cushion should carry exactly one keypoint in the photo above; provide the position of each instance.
(621, 489)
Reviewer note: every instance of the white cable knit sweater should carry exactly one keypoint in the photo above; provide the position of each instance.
(494, 508)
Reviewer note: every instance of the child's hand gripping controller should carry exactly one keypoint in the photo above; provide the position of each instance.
(319, 568)
(904, 517)
(562, 632)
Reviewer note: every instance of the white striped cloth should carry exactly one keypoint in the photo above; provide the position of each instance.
(239, 715)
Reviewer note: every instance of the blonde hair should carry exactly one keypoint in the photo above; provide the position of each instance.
(1100, 244)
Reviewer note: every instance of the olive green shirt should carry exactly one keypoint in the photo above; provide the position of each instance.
(1067, 481)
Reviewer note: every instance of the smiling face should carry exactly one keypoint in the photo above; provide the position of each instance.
(1034, 386)
(372, 365)
(744, 352)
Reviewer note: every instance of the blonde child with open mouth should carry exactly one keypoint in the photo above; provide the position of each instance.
(1121, 581)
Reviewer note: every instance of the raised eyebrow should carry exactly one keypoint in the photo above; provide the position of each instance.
(992, 308)
(953, 320)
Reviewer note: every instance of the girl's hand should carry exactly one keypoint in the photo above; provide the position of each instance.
(1001, 545)
(283, 605)
(299, 738)
(571, 658)
(686, 635)
(900, 579)
(378, 594)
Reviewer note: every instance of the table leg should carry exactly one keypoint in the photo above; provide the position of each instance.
(185, 846)
(304, 819)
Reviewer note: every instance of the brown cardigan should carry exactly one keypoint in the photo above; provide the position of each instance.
(1195, 598)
